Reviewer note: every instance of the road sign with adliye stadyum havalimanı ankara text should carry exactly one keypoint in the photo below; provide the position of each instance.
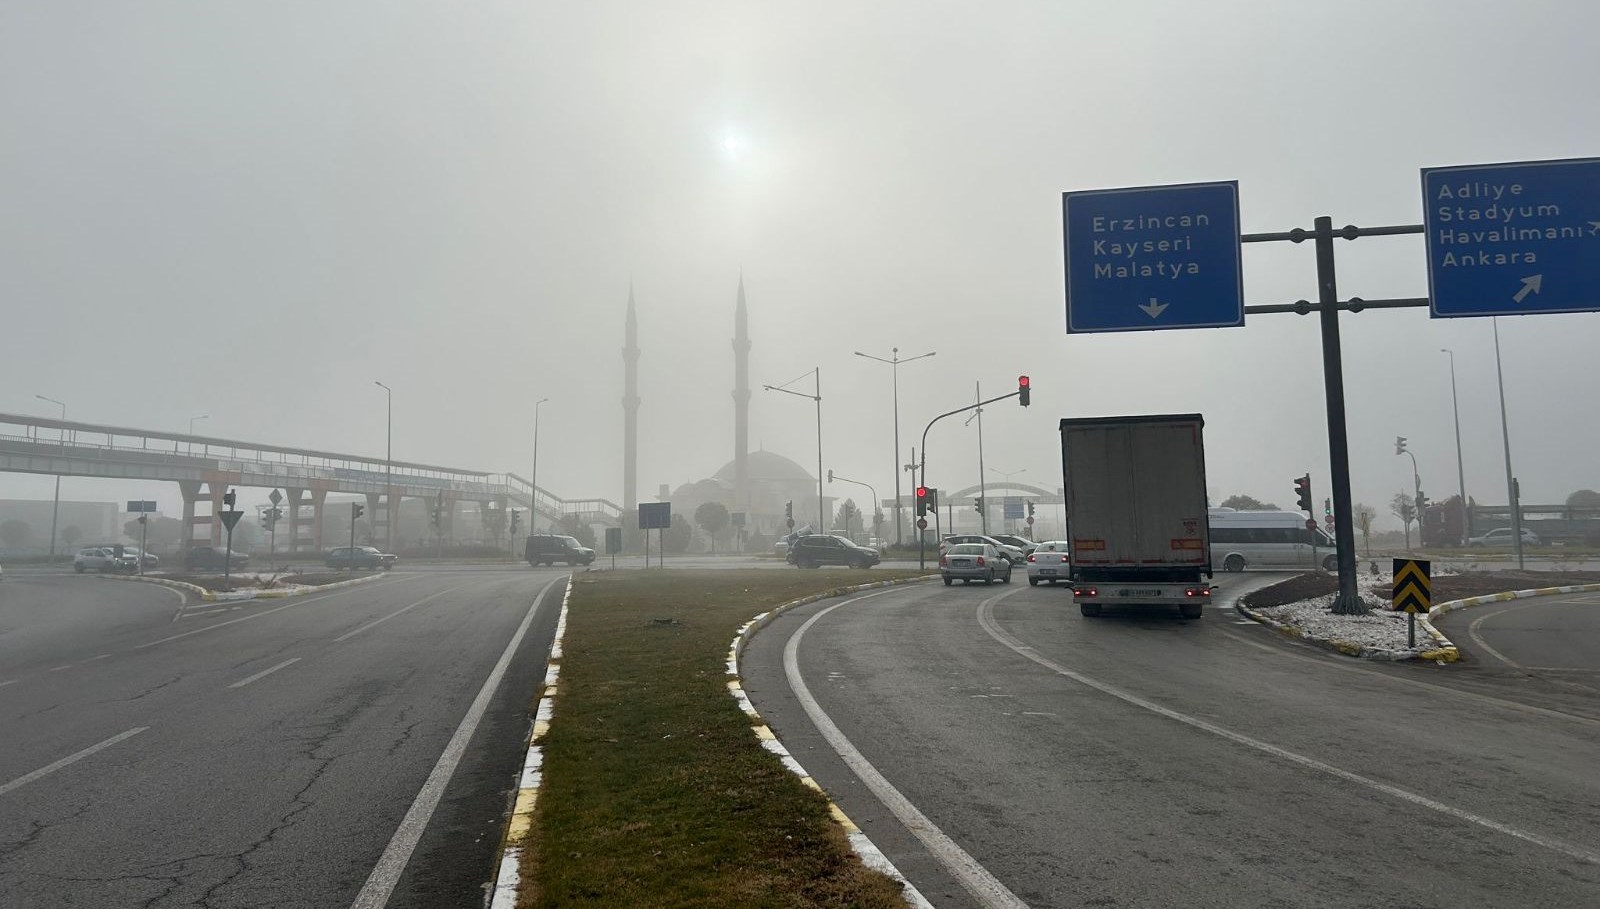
(1513, 239)
(1153, 257)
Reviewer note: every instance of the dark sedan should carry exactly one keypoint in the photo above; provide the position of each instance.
(818, 549)
(360, 557)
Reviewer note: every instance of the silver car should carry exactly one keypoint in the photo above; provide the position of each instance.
(970, 562)
(1049, 563)
(103, 558)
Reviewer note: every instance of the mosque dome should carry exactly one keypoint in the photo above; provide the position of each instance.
(768, 466)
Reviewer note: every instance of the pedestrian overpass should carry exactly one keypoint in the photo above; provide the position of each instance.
(205, 467)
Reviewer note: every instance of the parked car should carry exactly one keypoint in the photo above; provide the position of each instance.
(213, 558)
(1008, 552)
(818, 549)
(549, 548)
(1048, 563)
(360, 557)
(103, 558)
(968, 562)
(1501, 537)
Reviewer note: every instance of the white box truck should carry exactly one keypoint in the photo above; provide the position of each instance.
(1136, 512)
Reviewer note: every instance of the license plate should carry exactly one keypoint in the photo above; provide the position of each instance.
(1047, 571)
(1140, 593)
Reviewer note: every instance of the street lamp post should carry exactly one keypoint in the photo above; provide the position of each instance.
(1512, 495)
(1005, 477)
(533, 480)
(388, 470)
(55, 505)
(894, 364)
(983, 492)
(204, 416)
(816, 373)
(1461, 473)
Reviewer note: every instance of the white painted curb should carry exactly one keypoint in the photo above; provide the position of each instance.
(508, 877)
(1453, 605)
(870, 854)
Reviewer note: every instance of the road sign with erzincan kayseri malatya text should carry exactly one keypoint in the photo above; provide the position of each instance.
(1513, 239)
(1153, 257)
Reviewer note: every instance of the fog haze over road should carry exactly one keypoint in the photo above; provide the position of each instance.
(253, 212)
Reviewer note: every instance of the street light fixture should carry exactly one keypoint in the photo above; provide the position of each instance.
(55, 506)
(983, 492)
(816, 373)
(533, 480)
(388, 471)
(870, 491)
(1461, 473)
(204, 416)
(894, 364)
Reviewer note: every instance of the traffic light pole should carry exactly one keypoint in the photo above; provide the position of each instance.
(922, 466)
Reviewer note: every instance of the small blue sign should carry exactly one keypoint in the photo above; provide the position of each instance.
(1513, 239)
(1153, 257)
(1013, 509)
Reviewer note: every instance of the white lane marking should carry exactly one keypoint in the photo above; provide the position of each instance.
(264, 673)
(1472, 632)
(376, 622)
(265, 612)
(70, 759)
(9, 682)
(976, 879)
(386, 874)
(986, 619)
(59, 668)
(100, 657)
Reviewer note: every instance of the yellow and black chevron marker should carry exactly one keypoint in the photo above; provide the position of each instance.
(1413, 586)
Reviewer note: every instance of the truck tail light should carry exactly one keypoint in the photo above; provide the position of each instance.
(1084, 591)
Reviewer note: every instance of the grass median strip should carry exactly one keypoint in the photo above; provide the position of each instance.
(655, 792)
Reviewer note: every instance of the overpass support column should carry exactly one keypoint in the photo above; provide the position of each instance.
(218, 490)
(373, 528)
(191, 494)
(319, 501)
(391, 516)
(294, 496)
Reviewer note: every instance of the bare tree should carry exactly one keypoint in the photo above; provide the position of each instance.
(1364, 514)
(1404, 507)
(1243, 502)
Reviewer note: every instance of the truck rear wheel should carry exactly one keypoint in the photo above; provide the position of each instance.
(1089, 610)
(1190, 610)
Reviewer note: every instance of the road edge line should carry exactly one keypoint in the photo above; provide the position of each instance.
(508, 876)
(866, 850)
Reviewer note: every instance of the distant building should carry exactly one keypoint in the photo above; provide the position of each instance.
(77, 523)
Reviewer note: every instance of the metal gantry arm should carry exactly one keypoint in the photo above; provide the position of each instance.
(922, 466)
(870, 491)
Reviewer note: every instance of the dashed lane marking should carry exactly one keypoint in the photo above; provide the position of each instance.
(264, 673)
(403, 609)
(25, 779)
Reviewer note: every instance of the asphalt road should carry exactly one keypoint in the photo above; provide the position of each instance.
(266, 753)
(1551, 639)
(1005, 751)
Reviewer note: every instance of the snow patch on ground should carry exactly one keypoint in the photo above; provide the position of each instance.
(1380, 629)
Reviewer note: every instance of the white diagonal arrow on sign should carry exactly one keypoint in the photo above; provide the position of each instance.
(1594, 227)
(1530, 284)
(1154, 309)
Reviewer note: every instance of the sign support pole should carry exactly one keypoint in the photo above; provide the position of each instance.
(144, 531)
(1349, 602)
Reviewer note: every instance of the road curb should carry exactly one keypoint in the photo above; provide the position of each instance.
(1487, 598)
(508, 877)
(228, 596)
(865, 849)
(1443, 652)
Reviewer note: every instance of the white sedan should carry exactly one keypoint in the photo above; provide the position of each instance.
(1048, 563)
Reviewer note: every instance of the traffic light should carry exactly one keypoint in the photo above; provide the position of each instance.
(788, 509)
(1422, 503)
(1302, 491)
(228, 498)
(977, 503)
(516, 518)
(1023, 389)
(1399, 445)
(1327, 508)
(922, 501)
(357, 510)
(1030, 509)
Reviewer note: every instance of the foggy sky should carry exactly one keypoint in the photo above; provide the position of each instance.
(253, 211)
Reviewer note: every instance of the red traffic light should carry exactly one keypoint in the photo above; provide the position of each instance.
(1024, 390)
(1022, 381)
(922, 492)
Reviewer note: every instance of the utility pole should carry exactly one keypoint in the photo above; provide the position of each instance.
(894, 369)
(388, 472)
(1461, 473)
(983, 492)
(533, 481)
(816, 372)
(55, 506)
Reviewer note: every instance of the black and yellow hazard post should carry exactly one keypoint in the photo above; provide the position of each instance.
(1413, 592)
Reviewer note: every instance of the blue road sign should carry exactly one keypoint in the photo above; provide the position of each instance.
(1513, 239)
(1013, 509)
(1153, 257)
(655, 515)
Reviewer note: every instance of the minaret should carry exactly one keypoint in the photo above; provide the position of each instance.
(741, 404)
(630, 414)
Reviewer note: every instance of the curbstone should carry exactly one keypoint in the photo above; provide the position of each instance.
(860, 843)
(229, 596)
(1444, 652)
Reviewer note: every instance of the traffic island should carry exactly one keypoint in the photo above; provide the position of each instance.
(653, 791)
(250, 586)
(1299, 608)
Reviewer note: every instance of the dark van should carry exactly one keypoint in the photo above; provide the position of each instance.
(548, 549)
